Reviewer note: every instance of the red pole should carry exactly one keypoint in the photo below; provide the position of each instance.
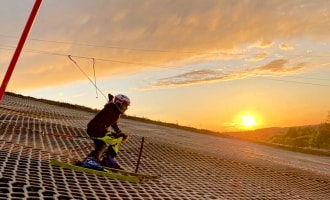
(19, 47)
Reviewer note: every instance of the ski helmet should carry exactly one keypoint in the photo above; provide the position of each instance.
(121, 100)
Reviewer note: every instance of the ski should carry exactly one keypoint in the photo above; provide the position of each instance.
(108, 172)
(124, 172)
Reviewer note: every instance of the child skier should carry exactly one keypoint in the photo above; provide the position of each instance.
(106, 143)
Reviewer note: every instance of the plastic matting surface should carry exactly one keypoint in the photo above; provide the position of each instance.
(193, 166)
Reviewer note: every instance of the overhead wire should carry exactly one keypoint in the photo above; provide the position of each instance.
(150, 64)
(139, 63)
(97, 59)
(290, 81)
(140, 49)
(111, 47)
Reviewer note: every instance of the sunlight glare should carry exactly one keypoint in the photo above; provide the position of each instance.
(248, 121)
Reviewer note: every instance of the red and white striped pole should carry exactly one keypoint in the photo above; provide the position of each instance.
(19, 47)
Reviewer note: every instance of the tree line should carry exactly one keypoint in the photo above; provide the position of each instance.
(307, 137)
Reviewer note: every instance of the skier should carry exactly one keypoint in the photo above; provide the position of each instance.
(106, 143)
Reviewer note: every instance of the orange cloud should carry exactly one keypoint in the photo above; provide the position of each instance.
(279, 66)
(263, 44)
(285, 47)
(211, 75)
(259, 56)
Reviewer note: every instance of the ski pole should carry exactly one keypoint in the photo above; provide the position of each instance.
(140, 153)
(64, 135)
(104, 139)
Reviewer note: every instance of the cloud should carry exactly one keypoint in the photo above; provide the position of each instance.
(190, 78)
(279, 66)
(148, 34)
(285, 47)
(262, 44)
(259, 56)
(215, 75)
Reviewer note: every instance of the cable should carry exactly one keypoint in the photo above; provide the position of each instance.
(291, 81)
(70, 57)
(165, 66)
(97, 95)
(110, 47)
(142, 49)
(135, 63)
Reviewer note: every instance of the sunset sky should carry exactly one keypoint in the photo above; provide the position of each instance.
(220, 65)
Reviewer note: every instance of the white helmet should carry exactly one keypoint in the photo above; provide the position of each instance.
(121, 100)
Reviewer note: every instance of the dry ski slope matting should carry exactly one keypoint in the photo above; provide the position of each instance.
(193, 166)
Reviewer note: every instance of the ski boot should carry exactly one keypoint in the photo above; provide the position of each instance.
(92, 163)
(110, 162)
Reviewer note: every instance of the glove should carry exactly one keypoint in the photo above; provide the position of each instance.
(125, 138)
(123, 135)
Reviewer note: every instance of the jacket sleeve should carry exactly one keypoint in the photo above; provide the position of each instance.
(116, 128)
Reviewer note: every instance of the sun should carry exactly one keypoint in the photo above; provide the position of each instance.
(248, 121)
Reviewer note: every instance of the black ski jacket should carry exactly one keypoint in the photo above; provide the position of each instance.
(107, 117)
